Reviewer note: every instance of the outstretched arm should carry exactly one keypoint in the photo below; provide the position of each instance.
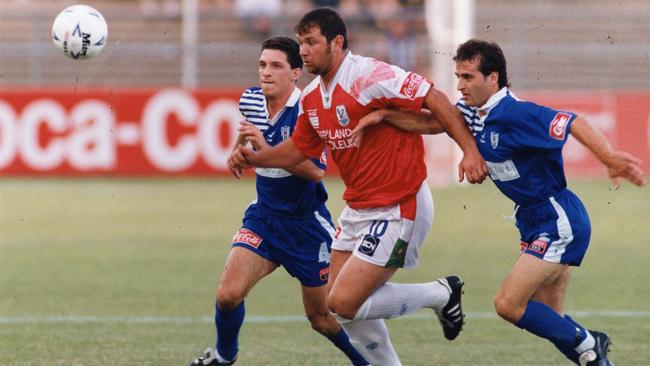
(619, 163)
(472, 165)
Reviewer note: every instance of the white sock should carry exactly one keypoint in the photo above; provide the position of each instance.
(371, 339)
(219, 358)
(588, 343)
(395, 299)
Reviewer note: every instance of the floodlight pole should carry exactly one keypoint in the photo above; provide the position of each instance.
(190, 37)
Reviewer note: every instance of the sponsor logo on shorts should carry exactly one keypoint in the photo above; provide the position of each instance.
(368, 245)
(558, 126)
(411, 84)
(539, 246)
(324, 274)
(248, 237)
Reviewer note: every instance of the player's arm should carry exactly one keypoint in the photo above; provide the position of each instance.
(472, 165)
(619, 163)
(308, 170)
(237, 172)
(283, 155)
(421, 122)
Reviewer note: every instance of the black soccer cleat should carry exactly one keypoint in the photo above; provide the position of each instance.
(597, 356)
(451, 316)
(209, 358)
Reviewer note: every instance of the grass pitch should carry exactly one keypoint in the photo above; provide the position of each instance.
(123, 272)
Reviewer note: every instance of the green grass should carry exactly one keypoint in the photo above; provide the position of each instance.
(151, 252)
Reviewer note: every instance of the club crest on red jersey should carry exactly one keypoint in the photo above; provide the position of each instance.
(559, 125)
(248, 237)
(411, 85)
(342, 115)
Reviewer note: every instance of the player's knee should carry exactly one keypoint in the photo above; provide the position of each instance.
(507, 309)
(341, 307)
(320, 322)
(229, 298)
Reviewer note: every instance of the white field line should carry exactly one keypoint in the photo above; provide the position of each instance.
(274, 318)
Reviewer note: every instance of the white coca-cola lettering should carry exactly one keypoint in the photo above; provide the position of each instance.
(154, 123)
(52, 115)
(8, 141)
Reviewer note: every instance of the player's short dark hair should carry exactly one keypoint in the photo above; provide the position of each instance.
(489, 56)
(287, 45)
(328, 20)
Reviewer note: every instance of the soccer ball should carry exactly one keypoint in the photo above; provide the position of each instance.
(80, 32)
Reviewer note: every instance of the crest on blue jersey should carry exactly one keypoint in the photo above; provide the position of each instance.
(494, 139)
(285, 131)
(342, 115)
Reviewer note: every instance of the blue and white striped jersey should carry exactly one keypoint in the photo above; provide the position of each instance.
(522, 145)
(278, 190)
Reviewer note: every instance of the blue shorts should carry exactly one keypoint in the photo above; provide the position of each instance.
(557, 231)
(301, 245)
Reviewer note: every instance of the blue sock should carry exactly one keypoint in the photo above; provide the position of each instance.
(342, 341)
(228, 325)
(570, 352)
(544, 322)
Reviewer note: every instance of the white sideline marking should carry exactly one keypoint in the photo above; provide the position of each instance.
(273, 319)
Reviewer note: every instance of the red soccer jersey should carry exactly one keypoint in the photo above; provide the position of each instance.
(388, 167)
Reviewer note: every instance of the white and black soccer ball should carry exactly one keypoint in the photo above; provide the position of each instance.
(80, 32)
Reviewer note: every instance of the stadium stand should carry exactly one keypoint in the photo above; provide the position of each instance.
(579, 44)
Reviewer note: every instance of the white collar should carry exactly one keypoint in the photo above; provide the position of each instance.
(293, 99)
(492, 101)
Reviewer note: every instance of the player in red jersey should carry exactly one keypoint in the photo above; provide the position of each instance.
(389, 206)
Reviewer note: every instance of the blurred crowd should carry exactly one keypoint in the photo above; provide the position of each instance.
(390, 21)
(263, 19)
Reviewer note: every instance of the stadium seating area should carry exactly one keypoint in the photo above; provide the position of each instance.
(579, 44)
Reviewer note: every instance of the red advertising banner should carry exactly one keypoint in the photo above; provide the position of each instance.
(117, 132)
(126, 132)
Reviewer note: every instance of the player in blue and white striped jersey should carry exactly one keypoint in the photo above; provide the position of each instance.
(288, 224)
(522, 145)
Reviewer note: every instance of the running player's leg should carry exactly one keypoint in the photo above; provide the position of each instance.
(514, 302)
(553, 294)
(303, 247)
(387, 239)
(369, 337)
(322, 321)
(243, 270)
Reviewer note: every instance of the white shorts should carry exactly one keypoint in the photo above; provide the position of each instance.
(387, 236)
